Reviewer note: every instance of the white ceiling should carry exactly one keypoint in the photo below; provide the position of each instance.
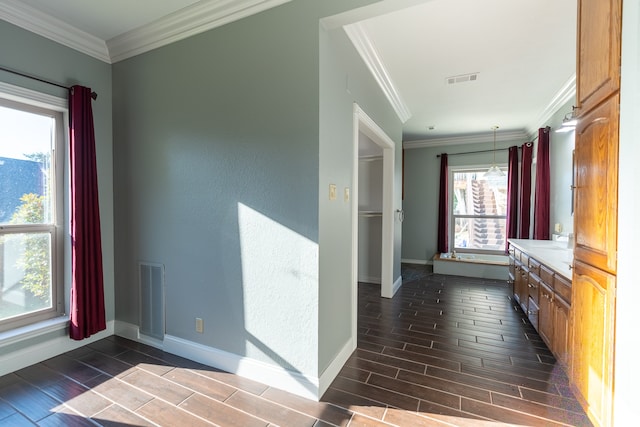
(522, 50)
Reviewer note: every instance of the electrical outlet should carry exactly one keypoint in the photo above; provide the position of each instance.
(199, 325)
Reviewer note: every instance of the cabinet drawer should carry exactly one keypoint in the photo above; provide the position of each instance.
(562, 287)
(534, 266)
(534, 286)
(524, 259)
(546, 275)
(532, 313)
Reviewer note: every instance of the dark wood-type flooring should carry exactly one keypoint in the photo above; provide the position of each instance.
(445, 351)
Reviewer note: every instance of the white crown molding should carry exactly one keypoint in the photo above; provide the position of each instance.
(507, 136)
(197, 18)
(33, 20)
(365, 47)
(566, 93)
(20, 94)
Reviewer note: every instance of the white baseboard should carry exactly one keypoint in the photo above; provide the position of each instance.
(416, 261)
(132, 332)
(272, 375)
(15, 360)
(330, 374)
(397, 284)
(369, 279)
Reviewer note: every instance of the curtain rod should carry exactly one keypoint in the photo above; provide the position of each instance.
(49, 82)
(485, 151)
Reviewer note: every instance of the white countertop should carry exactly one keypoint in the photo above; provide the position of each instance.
(554, 255)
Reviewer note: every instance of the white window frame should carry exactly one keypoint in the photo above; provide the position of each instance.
(452, 217)
(35, 102)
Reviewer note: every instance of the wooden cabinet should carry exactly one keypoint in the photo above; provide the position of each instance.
(521, 290)
(561, 339)
(596, 192)
(598, 51)
(546, 320)
(593, 334)
(593, 289)
(545, 296)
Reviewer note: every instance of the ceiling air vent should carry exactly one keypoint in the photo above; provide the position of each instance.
(471, 77)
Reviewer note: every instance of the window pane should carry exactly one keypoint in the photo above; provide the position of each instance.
(475, 195)
(480, 233)
(26, 141)
(25, 274)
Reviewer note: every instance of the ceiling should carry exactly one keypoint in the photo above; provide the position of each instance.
(522, 53)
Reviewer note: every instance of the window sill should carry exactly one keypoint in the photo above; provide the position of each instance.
(34, 330)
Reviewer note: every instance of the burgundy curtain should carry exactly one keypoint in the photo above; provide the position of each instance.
(512, 194)
(443, 212)
(541, 229)
(87, 294)
(525, 190)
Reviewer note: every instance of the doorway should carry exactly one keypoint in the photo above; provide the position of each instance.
(364, 128)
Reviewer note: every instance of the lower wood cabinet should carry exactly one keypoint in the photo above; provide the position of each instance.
(593, 317)
(545, 296)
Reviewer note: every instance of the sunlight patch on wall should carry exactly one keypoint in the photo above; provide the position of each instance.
(280, 289)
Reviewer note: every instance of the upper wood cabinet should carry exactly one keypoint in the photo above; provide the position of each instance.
(598, 51)
(596, 181)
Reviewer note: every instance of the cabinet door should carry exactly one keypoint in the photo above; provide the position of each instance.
(545, 317)
(522, 290)
(560, 343)
(592, 308)
(596, 192)
(598, 59)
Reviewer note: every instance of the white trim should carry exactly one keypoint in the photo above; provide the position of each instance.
(33, 330)
(369, 279)
(266, 373)
(396, 285)
(126, 330)
(416, 261)
(566, 92)
(197, 18)
(332, 371)
(32, 97)
(363, 123)
(24, 16)
(507, 136)
(36, 353)
(367, 50)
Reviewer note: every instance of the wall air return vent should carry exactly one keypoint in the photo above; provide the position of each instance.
(471, 77)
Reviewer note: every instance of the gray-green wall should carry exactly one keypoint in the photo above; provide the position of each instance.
(216, 174)
(344, 80)
(24, 51)
(422, 171)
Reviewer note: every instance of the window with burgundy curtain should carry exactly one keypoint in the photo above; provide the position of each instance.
(525, 190)
(443, 211)
(87, 315)
(541, 229)
(512, 194)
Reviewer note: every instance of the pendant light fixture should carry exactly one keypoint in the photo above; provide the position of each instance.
(494, 171)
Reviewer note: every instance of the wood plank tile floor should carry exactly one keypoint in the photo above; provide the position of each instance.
(445, 351)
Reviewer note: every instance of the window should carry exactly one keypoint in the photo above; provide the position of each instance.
(478, 210)
(31, 214)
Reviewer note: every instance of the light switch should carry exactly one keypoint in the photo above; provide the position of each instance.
(332, 192)
(347, 194)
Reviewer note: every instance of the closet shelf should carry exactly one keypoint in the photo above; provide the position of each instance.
(369, 213)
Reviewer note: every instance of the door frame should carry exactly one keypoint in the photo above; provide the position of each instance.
(362, 123)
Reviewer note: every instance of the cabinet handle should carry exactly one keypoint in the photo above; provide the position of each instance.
(531, 285)
(531, 312)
